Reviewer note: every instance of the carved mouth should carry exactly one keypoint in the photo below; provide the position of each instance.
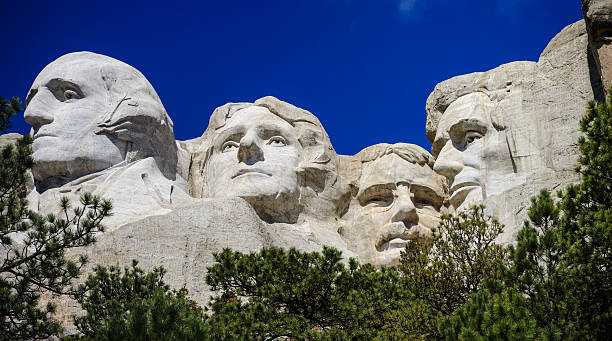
(393, 244)
(245, 171)
(395, 236)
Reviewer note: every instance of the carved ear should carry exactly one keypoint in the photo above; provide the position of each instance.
(128, 128)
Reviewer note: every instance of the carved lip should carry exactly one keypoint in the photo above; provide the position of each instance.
(250, 171)
(394, 236)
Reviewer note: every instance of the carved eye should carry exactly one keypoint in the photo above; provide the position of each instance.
(422, 202)
(472, 136)
(277, 141)
(379, 200)
(228, 146)
(70, 94)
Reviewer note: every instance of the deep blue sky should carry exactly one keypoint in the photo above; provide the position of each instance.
(364, 67)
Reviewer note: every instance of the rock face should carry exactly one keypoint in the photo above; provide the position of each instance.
(598, 18)
(265, 173)
(183, 242)
(502, 135)
(9, 138)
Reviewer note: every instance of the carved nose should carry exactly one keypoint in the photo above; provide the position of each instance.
(404, 210)
(249, 150)
(37, 112)
(448, 162)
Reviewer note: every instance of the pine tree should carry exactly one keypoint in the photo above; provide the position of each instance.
(442, 274)
(278, 293)
(7, 110)
(34, 246)
(502, 316)
(559, 280)
(586, 228)
(537, 268)
(136, 306)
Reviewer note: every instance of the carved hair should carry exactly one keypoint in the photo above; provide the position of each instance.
(408, 152)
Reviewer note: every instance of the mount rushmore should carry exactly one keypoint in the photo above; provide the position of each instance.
(266, 174)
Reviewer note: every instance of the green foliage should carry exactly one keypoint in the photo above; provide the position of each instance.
(33, 260)
(558, 284)
(8, 109)
(537, 270)
(502, 316)
(442, 274)
(278, 293)
(136, 306)
(586, 228)
(410, 319)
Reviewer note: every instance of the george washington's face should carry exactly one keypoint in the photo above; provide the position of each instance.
(64, 106)
(254, 156)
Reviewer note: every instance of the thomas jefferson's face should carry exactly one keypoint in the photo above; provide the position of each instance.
(64, 106)
(255, 156)
(471, 151)
(397, 201)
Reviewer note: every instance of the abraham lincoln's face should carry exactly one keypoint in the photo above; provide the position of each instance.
(470, 151)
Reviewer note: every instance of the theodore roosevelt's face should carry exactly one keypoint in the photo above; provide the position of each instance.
(397, 201)
(254, 155)
(64, 106)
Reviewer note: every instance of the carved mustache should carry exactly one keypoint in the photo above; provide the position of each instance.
(398, 229)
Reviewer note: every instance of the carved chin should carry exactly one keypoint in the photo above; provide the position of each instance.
(280, 207)
(48, 166)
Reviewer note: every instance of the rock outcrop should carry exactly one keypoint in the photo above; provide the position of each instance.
(598, 18)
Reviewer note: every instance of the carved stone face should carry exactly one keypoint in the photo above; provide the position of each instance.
(397, 201)
(255, 156)
(472, 153)
(66, 103)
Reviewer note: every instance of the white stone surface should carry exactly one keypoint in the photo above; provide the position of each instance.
(9, 138)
